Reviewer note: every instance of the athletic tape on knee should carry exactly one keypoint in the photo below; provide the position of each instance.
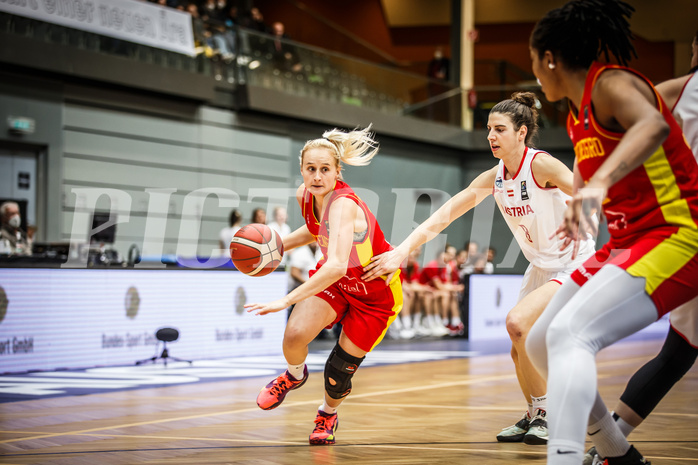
(340, 368)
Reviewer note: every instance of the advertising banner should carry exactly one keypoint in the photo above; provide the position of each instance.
(58, 318)
(491, 298)
(131, 20)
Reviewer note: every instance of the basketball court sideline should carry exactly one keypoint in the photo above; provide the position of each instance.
(416, 402)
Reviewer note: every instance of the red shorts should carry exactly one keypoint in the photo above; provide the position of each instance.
(666, 257)
(365, 318)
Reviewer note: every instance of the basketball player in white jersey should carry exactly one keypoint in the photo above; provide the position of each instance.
(648, 386)
(531, 188)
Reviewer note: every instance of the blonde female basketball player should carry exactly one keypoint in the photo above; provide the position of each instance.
(348, 236)
(530, 188)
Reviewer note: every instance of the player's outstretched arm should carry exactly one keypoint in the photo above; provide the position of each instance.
(341, 217)
(387, 263)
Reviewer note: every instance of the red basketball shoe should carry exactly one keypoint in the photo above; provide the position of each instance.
(274, 393)
(325, 426)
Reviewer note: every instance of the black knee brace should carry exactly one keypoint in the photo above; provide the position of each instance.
(654, 380)
(340, 368)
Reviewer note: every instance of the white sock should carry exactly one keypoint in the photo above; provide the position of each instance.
(625, 428)
(327, 409)
(444, 321)
(407, 322)
(608, 438)
(455, 320)
(540, 402)
(431, 321)
(530, 410)
(296, 371)
(417, 320)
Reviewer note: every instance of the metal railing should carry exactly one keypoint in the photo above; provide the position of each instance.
(258, 59)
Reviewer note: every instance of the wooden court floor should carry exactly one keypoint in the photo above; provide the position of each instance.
(443, 412)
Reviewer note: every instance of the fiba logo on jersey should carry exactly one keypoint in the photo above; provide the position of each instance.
(524, 192)
(498, 183)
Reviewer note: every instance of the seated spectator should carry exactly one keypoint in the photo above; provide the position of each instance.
(256, 21)
(284, 56)
(489, 261)
(436, 275)
(222, 39)
(259, 215)
(279, 224)
(201, 35)
(282, 228)
(13, 240)
(226, 234)
(301, 262)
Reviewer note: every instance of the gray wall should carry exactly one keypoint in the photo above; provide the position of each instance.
(172, 170)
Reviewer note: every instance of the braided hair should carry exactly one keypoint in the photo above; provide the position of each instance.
(580, 30)
(521, 109)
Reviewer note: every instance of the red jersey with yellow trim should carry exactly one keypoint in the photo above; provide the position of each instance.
(663, 191)
(365, 245)
(411, 272)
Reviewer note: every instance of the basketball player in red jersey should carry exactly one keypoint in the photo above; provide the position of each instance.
(348, 235)
(655, 379)
(632, 163)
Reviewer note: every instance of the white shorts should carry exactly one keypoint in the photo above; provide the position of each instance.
(535, 277)
(684, 320)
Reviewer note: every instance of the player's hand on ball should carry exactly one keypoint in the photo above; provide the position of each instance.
(271, 307)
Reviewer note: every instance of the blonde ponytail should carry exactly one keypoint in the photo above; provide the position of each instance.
(355, 148)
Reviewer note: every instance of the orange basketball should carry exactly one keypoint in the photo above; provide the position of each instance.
(256, 249)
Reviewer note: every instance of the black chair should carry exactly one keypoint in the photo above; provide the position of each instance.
(165, 335)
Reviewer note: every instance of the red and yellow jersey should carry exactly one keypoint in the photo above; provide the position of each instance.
(411, 273)
(437, 269)
(663, 191)
(366, 244)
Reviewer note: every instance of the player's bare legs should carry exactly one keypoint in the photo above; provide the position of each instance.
(533, 428)
(341, 366)
(305, 322)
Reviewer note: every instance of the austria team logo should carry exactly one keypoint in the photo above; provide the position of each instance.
(498, 183)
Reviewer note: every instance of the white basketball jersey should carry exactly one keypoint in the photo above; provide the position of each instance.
(533, 213)
(686, 112)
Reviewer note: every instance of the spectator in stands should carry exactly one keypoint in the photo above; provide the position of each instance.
(201, 35)
(439, 66)
(464, 295)
(301, 262)
(222, 39)
(259, 215)
(451, 299)
(284, 56)
(419, 298)
(12, 239)
(226, 234)
(489, 261)
(257, 21)
(436, 275)
(281, 226)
